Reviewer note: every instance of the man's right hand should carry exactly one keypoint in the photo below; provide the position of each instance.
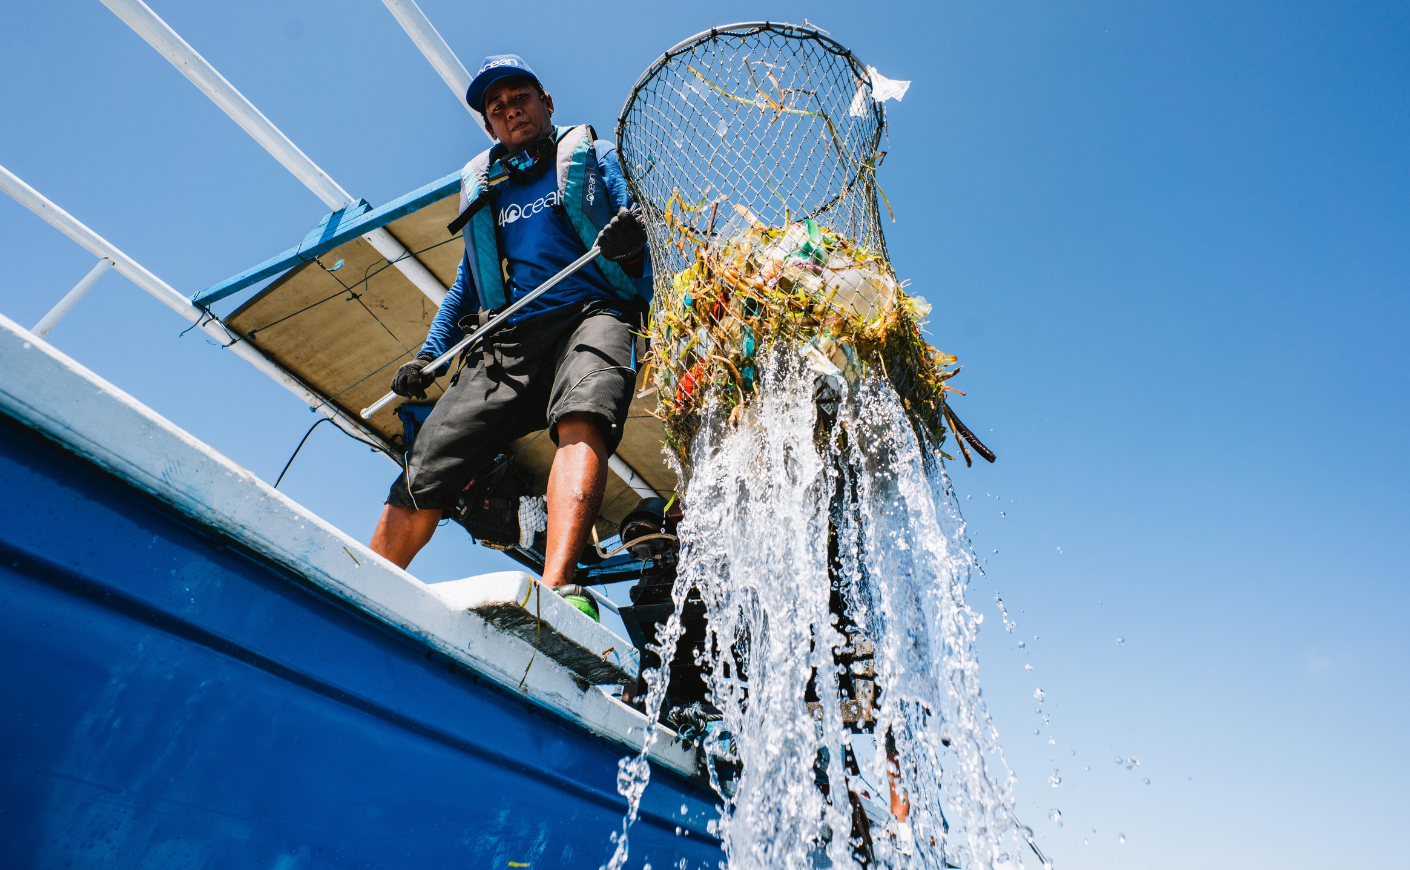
(410, 381)
(623, 240)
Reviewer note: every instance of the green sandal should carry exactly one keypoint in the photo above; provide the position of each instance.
(581, 599)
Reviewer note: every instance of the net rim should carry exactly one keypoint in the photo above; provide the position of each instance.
(744, 29)
(741, 28)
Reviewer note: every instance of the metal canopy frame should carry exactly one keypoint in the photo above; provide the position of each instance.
(157, 33)
(338, 227)
(436, 52)
(137, 274)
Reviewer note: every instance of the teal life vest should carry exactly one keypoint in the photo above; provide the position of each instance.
(582, 192)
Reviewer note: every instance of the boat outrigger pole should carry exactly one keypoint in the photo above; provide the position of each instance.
(189, 62)
(424, 34)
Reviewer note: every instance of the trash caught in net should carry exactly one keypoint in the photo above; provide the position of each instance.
(803, 286)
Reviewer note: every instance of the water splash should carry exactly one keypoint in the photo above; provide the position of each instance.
(1009, 625)
(785, 508)
(634, 772)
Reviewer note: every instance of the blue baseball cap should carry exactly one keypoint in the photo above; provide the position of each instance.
(496, 67)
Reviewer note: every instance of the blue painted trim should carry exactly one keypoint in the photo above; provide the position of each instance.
(335, 229)
(170, 691)
(330, 225)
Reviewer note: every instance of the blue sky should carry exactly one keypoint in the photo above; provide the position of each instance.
(1168, 242)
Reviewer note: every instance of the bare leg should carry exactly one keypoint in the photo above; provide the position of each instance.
(402, 532)
(575, 488)
(900, 803)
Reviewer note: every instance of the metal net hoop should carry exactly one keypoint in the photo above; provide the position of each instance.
(773, 120)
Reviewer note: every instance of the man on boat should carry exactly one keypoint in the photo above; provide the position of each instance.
(566, 361)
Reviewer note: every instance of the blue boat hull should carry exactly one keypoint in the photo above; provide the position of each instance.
(173, 699)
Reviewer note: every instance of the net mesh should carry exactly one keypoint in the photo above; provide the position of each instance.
(752, 150)
(774, 119)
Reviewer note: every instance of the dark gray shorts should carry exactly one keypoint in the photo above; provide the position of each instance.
(563, 362)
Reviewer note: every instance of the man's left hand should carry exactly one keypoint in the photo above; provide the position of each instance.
(623, 240)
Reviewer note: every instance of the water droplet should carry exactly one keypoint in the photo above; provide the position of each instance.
(1039, 694)
(1148, 780)
(1055, 780)
(1121, 839)
(1055, 815)
(1002, 514)
(1021, 644)
(1084, 842)
(1121, 641)
(1051, 741)
(678, 830)
(685, 810)
(1059, 551)
(996, 551)
(1028, 667)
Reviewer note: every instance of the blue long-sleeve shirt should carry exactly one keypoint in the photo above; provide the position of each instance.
(538, 242)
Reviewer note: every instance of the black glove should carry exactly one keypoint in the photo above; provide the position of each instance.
(623, 240)
(410, 381)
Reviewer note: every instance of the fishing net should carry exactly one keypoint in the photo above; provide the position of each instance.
(753, 151)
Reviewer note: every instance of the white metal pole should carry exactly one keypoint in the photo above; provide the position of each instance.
(71, 298)
(134, 272)
(601, 598)
(189, 62)
(631, 478)
(428, 39)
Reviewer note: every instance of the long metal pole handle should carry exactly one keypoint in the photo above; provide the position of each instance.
(492, 325)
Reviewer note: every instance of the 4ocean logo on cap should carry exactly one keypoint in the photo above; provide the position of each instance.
(514, 211)
(504, 61)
